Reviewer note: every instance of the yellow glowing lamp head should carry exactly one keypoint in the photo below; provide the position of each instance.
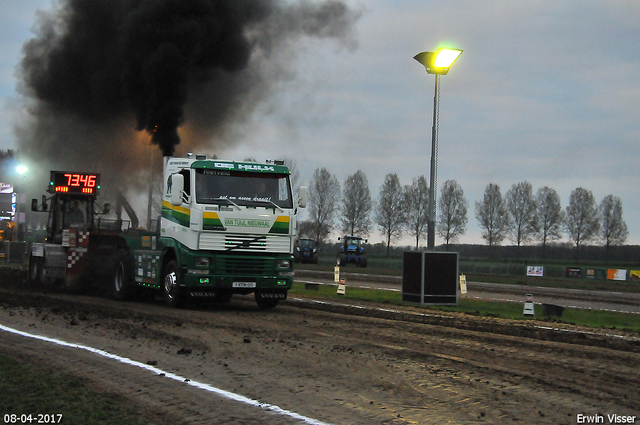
(440, 61)
(446, 57)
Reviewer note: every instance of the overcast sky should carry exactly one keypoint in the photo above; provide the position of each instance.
(545, 91)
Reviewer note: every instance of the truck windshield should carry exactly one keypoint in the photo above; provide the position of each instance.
(242, 188)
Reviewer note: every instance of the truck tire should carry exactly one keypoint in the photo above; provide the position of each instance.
(315, 259)
(363, 260)
(123, 285)
(341, 260)
(171, 285)
(266, 303)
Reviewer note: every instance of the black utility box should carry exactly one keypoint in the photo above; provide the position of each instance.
(430, 277)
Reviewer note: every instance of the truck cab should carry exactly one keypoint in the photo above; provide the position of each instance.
(60, 259)
(227, 228)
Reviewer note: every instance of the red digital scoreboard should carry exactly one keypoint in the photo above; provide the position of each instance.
(74, 183)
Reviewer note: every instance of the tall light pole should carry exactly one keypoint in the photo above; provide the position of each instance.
(437, 63)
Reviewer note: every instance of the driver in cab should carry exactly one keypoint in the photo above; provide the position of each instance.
(74, 216)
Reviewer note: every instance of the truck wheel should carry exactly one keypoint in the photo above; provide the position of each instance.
(341, 260)
(122, 276)
(315, 259)
(266, 303)
(170, 285)
(363, 261)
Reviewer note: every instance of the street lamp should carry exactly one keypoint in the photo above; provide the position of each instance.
(437, 63)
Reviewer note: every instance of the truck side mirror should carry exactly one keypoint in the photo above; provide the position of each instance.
(177, 186)
(303, 196)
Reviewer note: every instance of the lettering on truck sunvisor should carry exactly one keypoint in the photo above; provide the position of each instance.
(222, 165)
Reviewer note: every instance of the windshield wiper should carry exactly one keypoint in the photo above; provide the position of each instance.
(269, 201)
(226, 200)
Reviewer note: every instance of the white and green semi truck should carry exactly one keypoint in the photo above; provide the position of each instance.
(226, 228)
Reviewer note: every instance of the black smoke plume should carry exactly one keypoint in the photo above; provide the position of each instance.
(100, 73)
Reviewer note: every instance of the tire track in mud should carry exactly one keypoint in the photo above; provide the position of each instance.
(340, 367)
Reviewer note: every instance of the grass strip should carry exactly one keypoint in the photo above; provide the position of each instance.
(504, 310)
(30, 390)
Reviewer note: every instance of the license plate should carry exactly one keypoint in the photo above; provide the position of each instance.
(244, 284)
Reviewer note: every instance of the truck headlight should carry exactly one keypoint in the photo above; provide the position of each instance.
(283, 264)
(202, 261)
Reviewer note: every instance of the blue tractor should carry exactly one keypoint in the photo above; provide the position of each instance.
(352, 251)
(306, 251)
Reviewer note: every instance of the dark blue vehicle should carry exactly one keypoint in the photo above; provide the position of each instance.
(306, 251)
(352, 251)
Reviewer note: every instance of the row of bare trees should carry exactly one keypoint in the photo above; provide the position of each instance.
(402, 210)
(523, 217)
(399, 210)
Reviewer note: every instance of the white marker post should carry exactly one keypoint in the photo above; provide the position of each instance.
(463, 284)
(529, 310)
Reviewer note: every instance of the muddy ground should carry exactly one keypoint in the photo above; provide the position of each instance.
(328, 362)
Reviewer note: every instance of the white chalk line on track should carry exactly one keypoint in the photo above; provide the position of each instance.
(200, 385)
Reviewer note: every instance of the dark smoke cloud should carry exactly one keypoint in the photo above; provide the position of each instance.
(100, 74)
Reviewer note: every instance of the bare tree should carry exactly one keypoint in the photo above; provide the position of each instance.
(452, 216)
(356, 205)
(613, 229)
(521, 210)
(491, 214)
(581, 220)
(324, 194)
(306, 229)
(550, 216)
(389, 213)
(417, 207)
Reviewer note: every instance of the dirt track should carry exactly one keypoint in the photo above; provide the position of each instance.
(334, 364)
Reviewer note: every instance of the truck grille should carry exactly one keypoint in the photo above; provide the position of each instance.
(244, 243)
(237, 265)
